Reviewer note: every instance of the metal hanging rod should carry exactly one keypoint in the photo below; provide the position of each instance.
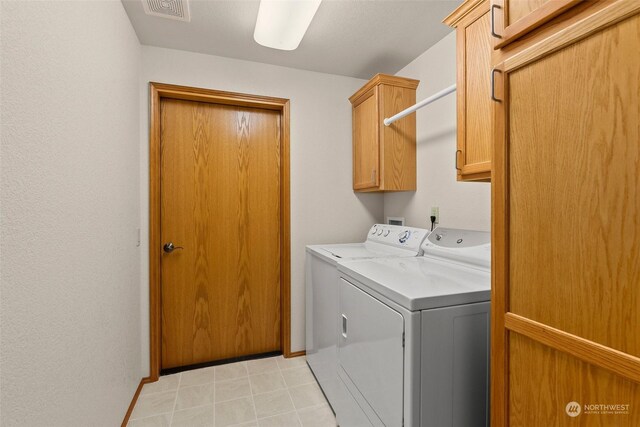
(420, 104)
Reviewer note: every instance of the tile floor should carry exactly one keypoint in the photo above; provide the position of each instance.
(272, 392)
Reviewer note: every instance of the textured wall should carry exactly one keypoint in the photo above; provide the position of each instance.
(70, 294)
(324, 208)
(462, 204)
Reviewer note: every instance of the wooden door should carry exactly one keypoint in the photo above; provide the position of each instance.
(475, 110)
(220, 201)
(366, 143)
(511, 19)
(566, 230)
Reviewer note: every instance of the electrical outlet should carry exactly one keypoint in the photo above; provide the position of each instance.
(435, 211)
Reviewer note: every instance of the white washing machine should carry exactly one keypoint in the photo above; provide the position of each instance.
(322, 293)
(414, 335)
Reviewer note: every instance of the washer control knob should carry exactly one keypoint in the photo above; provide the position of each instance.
(404, 236)
(380, 232)
(386, 233)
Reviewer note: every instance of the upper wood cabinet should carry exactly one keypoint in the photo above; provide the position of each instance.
(384, 157)
(511, 19)
(473, 55)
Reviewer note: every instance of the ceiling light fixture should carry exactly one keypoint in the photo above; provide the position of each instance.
(281, 24)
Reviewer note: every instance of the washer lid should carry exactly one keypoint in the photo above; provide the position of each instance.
(420, 283)
(460, 246)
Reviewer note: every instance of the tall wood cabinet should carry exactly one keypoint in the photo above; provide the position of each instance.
(566, 222)
(473, 85)
(384, 157)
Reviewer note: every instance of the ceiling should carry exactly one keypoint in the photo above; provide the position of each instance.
(348, 37)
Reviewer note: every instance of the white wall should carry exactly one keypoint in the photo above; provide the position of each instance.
(70, 352)
(462, 204)
(324, 207)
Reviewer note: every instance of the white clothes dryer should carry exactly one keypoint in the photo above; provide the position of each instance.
(322, 292)
(414, 338)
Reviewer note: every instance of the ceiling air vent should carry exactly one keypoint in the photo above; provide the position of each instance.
(172, 9)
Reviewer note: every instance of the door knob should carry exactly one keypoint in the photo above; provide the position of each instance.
(170, 247)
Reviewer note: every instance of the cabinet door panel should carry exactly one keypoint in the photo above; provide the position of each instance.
(566, 230)
(561, 379)
(366, 150)
(475, 138)
(474, 98)
(514, 18)
(398, 141)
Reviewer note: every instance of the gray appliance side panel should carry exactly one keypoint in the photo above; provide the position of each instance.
(412, 363)
(322, 320)
(310, 346)
(455, 366)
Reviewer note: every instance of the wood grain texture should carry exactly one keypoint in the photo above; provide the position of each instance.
(366, 142)
(285, 227)
(474, 105)
(155, 246)
(384, 157)
(158, 92)
(499, 390)
(576, 191)
(379, 79)
(519, 17)
(543, 381)
(516, 10)
(566, 218)
(466, 8)
(132, 405)
(608, 13)
(398, 141)
(220, 191)
(593, 353)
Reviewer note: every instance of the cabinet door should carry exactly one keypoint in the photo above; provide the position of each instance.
(511, 19)
(398, 141)
(473, 158)
(566, 228)
(366, 143)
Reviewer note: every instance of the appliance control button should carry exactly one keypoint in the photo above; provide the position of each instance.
(386, 233)
(404, 236)
(459, 241)
(380, 232)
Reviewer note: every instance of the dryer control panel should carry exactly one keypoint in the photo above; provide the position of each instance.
(399, 236)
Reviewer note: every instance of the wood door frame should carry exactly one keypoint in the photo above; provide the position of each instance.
(157, 92)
